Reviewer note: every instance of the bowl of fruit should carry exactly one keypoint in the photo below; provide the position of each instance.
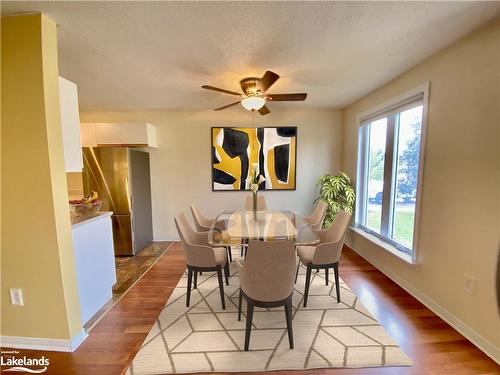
(86, 206)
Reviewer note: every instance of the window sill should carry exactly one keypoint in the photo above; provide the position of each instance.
(384, 245)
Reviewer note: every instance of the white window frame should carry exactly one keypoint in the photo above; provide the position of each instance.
(421, 91)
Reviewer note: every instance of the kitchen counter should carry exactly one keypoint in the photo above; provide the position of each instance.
(94, 261)
(77, 221)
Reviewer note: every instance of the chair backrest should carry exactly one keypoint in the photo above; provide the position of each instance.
(269, 270)
(195, 254)
(261, 203)
(330, 249)
(318, 215)
(202, 223)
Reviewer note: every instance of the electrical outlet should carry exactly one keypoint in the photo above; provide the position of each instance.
(469, 284)
(16, 297)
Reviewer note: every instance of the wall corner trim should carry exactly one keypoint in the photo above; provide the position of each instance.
(33, 343)
(469, 333)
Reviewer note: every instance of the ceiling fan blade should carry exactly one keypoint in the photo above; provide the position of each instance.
(226, 106)
(287, 97)
(268, 80)
(264, 110)
(220, 90)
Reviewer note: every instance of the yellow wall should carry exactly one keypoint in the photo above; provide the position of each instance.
(181, 169)
(37, 254)
(459, 223)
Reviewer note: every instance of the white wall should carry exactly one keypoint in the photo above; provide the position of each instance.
(181, 166)
(459, 223)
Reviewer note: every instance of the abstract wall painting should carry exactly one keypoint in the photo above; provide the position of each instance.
(272, 151)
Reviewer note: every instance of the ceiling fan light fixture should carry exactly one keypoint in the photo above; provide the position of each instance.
(254, 93)
(253, 102)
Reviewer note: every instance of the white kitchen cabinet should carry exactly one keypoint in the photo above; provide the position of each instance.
(108, 134)
(70, 122)
(94, 262)
(105, 134)
(87, 134)
(139, 134)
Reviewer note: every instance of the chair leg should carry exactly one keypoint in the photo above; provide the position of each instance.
(239, 306)
(226, 272)
(249, 324)
(201, 273)
(228, 248)
(195, 283)
(297, 273)
(337, 286)
(308, 281)
(242, 248)
(288, 314)
(326, 275)
(317, 270)
(221, 287)
(188, 294)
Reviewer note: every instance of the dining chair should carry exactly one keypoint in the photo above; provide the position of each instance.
(203, 224)
(326, 254)
(200, 256)
(261, 203)
(315, 220)
(266, 280)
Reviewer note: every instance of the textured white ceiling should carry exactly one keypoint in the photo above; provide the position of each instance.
(158, 54)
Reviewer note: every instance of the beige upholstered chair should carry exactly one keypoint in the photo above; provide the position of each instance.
(200, 256)
(316, 219)
(203, 224)
(326, 254)
(266, 280)
(261, 203)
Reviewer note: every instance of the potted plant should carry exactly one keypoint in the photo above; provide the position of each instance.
(337, 191)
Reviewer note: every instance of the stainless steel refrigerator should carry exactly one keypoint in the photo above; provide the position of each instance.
(121, 176)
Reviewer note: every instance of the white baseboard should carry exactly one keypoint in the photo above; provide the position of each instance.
(33, 343)
(169, 239)
(78, 339)
(470, 334)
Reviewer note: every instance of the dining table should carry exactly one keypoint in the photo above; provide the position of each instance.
(237, 228)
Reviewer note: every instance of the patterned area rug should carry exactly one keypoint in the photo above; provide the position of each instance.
(205, 338)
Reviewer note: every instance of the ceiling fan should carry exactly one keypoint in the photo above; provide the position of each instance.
(254, 95)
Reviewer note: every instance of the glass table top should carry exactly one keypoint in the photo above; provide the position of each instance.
(230, 228)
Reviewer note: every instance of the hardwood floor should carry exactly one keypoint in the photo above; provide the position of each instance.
(433, 345)
(128, 271)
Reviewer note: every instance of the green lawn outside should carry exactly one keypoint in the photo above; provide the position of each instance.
(403, 226)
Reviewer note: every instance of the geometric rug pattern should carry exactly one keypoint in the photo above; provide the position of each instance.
(205, 338)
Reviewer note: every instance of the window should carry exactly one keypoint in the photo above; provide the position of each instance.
(389, 164)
